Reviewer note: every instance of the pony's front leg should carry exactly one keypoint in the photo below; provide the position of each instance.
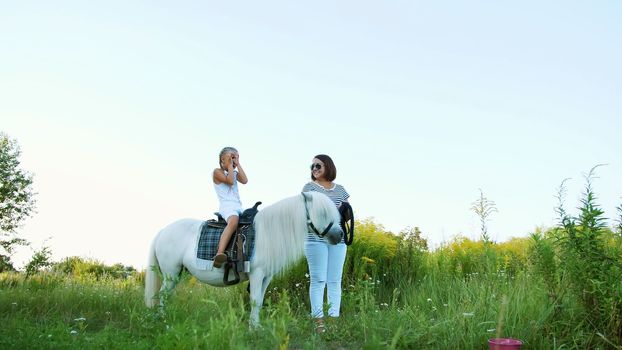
(258, 284)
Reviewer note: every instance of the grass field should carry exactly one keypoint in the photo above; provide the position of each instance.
(54, 311)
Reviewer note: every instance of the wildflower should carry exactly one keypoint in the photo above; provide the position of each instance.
(306, 275)
(14, 304)
(490, 330)
(429, 300)
(468, 314)
(73, 332)
(80, 319)
(297, 285)
(445, 305)
(433, 308)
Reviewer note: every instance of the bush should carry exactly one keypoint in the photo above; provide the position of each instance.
(371, 251)
(544, 262)
(80, 267)
(465, 257)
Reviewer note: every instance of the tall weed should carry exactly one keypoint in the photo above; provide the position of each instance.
(591, 259)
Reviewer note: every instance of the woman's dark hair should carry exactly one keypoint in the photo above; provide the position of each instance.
(330, 171)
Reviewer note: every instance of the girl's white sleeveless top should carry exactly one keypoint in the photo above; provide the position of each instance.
(228, 194)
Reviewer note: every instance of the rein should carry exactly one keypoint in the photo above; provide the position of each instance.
(310, 223)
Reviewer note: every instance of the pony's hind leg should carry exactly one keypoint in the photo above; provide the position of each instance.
(258, 284)
(170, 278)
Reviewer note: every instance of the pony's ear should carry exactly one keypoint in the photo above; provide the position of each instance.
(308, 196)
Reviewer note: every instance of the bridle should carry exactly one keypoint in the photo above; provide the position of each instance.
(310, 225)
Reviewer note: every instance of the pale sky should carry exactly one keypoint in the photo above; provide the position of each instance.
(121, 108)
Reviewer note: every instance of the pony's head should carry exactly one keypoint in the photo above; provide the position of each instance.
(322, 217)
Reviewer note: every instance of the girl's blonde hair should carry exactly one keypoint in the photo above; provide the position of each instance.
(225, 151)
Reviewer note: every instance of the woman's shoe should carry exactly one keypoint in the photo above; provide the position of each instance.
(220, 259)
(320, 327)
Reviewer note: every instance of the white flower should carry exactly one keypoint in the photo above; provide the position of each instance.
(468, 314)
(429, 300)
(445, 305)
(80, 319)
(306, 275)
(73, 331)
(490, 330)
(297, 285)
(14, 304)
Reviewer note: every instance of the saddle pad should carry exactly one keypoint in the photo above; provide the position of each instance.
(210, 236)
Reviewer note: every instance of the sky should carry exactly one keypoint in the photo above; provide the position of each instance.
(121, 108)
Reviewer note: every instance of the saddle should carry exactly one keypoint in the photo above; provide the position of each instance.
(246, 218)
(238, 257)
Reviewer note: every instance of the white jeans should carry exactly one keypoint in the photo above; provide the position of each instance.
(325, 268)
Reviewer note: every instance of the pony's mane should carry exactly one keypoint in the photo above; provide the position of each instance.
(281, 230)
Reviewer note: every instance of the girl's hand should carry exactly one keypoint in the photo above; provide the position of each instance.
(229, 161)
(236, 160)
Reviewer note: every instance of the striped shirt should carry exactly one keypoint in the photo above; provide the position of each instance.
(337, 194)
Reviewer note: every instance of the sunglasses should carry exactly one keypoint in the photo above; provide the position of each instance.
(316, 166)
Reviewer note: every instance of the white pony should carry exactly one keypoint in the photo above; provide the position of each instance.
(280, 233)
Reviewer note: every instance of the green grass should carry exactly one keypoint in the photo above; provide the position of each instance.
(49, 311)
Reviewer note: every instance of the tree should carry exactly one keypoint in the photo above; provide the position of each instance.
(16, 198)
(40, 260)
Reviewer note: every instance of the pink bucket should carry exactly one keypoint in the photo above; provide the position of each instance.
(504, 344)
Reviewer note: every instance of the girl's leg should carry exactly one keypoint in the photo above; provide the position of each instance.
(317, 258)
(232, 224)
(336, 259)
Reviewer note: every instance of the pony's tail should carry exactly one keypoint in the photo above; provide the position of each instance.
(152, 278)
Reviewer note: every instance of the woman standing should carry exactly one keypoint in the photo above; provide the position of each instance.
(325, 260)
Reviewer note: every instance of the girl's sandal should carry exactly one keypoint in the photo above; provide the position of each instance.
(320, 327)
(220, 259)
